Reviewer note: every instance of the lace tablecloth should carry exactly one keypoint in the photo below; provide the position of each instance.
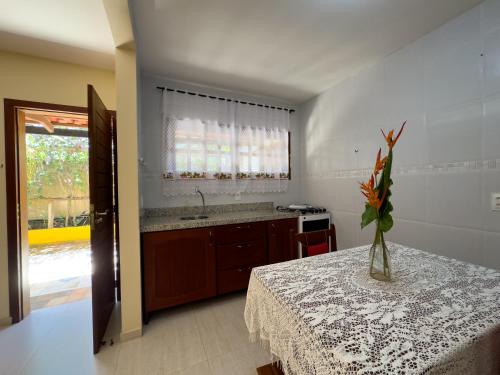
(325, 315)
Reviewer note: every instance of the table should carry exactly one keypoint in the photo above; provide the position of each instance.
(325, 315)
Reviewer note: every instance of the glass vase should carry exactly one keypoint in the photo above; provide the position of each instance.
(380, 258)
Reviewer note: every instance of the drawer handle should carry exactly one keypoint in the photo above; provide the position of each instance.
(243, 227)
(242, 246)
(240, 269)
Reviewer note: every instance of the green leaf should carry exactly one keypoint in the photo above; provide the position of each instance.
(368, 216)
(387, 207)
(385, 223)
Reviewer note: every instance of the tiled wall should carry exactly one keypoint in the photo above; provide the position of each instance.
(447, 85)
(151, 151)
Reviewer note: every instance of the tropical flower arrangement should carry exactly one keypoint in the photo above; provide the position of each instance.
(378, 208)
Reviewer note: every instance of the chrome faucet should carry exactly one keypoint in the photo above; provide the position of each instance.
(197, 190)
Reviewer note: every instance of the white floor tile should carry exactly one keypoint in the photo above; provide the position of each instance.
(207, 338)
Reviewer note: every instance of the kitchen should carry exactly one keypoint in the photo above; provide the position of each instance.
(300, 187)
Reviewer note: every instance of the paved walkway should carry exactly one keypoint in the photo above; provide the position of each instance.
(59, 273)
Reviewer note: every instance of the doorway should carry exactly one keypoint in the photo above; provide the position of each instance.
(61, 207)
(57, 184)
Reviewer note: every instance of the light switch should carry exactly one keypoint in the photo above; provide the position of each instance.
(495, 202)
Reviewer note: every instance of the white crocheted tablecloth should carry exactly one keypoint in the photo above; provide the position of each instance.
(325, 315)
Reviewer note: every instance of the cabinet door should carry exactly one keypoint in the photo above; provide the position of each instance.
(279, 232)
(179, 267)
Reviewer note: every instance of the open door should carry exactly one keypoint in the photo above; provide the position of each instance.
(101, 214)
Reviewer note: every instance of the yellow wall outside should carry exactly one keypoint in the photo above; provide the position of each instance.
(55, 235)
(42, 80)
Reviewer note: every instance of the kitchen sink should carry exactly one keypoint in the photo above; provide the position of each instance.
(197, 217)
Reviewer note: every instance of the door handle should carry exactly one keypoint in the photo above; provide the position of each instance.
(99, 220)
(102, 213)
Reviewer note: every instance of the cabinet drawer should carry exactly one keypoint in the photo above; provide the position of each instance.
(238, 233)
(233, 279)
(241, 254)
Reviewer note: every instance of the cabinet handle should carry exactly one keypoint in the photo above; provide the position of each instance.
(243, 227)
(240, 269)
(242, 246)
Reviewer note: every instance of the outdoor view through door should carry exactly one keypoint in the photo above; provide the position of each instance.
(57, 172)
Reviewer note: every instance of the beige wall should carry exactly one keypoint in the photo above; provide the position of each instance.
(128, 192)
(29, 78)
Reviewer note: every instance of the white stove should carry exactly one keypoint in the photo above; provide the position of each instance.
(311, 219)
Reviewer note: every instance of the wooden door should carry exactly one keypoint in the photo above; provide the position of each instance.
(179, 267)
(101, 215)
(279, 240)
(23, 214)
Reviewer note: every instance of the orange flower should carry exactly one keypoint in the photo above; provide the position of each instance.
(369, 191)
(379, 164)
(392, 142)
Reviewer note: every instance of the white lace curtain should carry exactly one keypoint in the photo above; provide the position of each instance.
(223, 146)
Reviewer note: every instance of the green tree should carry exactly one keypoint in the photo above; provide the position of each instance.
(57, 167)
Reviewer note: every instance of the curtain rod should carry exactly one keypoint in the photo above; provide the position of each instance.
(220, 98)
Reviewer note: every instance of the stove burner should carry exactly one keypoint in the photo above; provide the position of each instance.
(302, 209)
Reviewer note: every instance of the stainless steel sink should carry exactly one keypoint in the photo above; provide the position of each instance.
(197, 217)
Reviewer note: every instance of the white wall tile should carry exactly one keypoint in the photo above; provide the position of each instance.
(412, 148)
(458, 243)
(409, 197)
(347, 225)
(491, 250)
(452, 62)
(404, 75)
(454, 134)
(491, 128)
(490, 184)
(492, 63)
(454, 199)
(449, 94)
(409, 233)
(369, 104)
(490, 16)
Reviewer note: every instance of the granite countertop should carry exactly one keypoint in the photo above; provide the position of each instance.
(155, 220)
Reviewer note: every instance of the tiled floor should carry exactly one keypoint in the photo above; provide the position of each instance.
(59, 273)
(207, 338)
(59, 298)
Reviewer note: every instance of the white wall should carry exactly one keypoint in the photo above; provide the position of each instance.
(128, 192)
(151, 133)
(447, 85)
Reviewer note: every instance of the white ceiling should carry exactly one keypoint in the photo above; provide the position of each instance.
(76, 31)
(290, 49)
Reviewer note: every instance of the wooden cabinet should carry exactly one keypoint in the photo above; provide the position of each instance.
(238, 233)
(178, 267)
(240, 247)
(181, 266)
(279, 246)
(241, 254)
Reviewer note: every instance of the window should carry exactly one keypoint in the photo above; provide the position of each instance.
(240, 151)
(213, 151)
